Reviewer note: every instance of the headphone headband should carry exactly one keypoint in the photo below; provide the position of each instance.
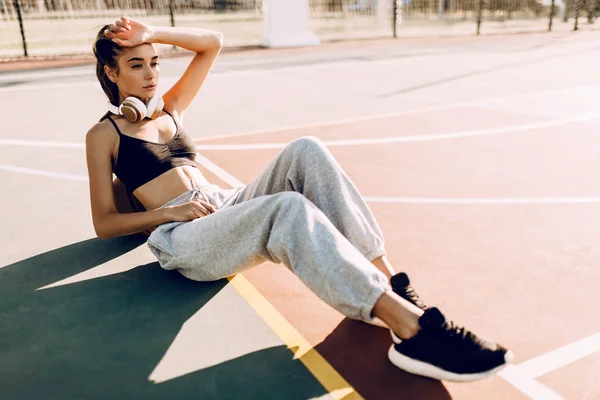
(113, 109)
(134, 110)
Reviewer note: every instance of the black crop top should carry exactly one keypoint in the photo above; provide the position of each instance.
(139, 161)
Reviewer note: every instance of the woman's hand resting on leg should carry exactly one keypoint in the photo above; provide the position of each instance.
(189, 211)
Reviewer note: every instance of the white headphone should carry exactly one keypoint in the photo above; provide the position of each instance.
(134, 110)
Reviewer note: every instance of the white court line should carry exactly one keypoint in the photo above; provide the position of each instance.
(234, 182)
(41, 172)
(205, 162)
(84, 70)
(522, 376)
(474, 103)
(167, 80)
(26, 86)
(34, 85)
(218, 171)
(407, 139)
(560, 357)
(48, 86)
(527, 385)
(91, 71)
(486, 200)
(15, 142)
(36, 143)
(18, 142)
(336, 143)
(422, 110)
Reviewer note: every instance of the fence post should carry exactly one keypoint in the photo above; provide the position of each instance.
(479, 13)
(551, 16)
(18, 7)
(395, 18)
(171, 14)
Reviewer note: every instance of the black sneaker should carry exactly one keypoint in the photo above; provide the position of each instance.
(444, 351)
(401, 286)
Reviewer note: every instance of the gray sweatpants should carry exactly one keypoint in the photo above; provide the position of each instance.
(302, 211)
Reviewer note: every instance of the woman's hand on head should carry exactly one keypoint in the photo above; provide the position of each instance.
(189, 211)
(128, 32)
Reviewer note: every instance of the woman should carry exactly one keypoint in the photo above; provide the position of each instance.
(302, 211)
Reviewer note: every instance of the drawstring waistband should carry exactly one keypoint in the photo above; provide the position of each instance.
(211, 194)
(195, 190)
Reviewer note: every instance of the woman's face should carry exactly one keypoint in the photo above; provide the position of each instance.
(138, 72)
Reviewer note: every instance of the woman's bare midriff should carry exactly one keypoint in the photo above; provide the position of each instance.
(169, 185)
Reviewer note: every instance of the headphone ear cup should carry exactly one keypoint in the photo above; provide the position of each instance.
(133, 109)
(130, 112)
(155, 107)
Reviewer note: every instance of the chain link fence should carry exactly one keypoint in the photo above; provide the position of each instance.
(53, 27)
(64, 27)
(340, 19)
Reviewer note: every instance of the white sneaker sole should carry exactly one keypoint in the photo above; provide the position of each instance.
(424, 369)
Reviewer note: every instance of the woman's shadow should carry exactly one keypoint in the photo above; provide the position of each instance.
(102, 338)
(358, 351)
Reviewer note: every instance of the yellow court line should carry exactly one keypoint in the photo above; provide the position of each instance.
(331, 380)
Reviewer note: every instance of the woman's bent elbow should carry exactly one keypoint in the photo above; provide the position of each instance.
(102, 232)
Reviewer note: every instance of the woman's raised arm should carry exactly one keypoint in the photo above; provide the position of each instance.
(204, 42)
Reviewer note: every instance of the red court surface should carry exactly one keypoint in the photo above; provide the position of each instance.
(498, 229)
(478, 157)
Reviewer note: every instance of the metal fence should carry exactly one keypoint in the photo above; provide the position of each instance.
(43, 7)
(54, 27)
(417, 18)
(60, 27)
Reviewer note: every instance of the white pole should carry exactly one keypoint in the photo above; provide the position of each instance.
(286, 24)
(383, 8)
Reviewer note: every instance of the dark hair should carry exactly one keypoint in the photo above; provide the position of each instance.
(107, 53)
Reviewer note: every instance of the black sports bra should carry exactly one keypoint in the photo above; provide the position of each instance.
(139, 161)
